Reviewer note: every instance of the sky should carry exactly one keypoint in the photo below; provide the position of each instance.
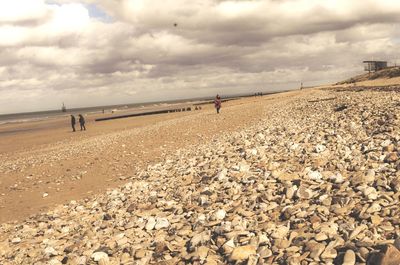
(105, 52)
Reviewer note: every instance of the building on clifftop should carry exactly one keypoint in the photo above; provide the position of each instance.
(373, 66)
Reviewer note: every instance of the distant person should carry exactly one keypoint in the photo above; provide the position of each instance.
(217, 103)
(82, 122)
(73, 122)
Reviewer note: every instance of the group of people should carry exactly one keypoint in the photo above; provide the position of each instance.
(217, 103)
(81, 122)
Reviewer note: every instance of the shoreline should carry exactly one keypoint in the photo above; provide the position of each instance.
(26, 117)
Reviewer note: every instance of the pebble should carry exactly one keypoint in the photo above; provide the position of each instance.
(242, 253)
(161, 223)
(97, 256)
(349, 258)
(307, 185)
(151, 223)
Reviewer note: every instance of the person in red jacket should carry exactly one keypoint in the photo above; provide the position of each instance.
(217, 103)
(73, 122)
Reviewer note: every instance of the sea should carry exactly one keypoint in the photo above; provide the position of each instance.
(51, 114)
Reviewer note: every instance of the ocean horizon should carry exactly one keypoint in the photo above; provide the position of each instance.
(55, 113)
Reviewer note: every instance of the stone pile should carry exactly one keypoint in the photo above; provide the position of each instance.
(311, 183)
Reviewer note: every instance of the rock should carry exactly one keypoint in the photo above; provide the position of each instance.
(298, 186)
(357, 231)
(304, 193)
(264, 252)
(126, 258)
(243, 167)
(50, 251)
(131, 208)
(219, 214)
(320, 148)
(391, 157)
(280, 232)
(375, 207)
(349, 258)
(16, 240)
(397, 243)
(290, 192)
(107, 217)
(361, 178)
(389, 255)
(284, 176)
(314, 175)
(202, 253)
(370, 193)
(315, 249)
(151, 223)
(97, 256)
(364, 252)
(160, 224)
(337, 178)
(321, 237)
(242, 253)
(140, 254)
(104, 261)
(253, 260)
(376, 219)
(222, 174)
(370, 176)
(329, 253)
(229, 246)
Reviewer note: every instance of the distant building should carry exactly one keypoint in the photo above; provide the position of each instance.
(373, 66)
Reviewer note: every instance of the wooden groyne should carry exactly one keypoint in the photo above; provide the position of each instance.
(145, 113)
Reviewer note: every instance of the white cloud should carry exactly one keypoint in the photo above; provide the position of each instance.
(155, 50)
(17, 11)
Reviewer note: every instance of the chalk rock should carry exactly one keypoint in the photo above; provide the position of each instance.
(349, 258)
(242, 253)
(304, 193)
(97, 256)
(161, 223)
(219, 214)
(151, 223)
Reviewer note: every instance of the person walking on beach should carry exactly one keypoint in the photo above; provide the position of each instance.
(73, 123)
(217, 103)
(82, 122)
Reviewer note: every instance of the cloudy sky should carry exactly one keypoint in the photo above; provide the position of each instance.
(102, 52)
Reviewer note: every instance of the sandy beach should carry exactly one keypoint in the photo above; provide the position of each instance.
(302, 177)
(46, 157)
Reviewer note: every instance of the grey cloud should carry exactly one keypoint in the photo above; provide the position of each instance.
(146, 57)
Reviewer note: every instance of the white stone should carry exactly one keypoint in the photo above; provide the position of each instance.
(162, 223)
(314, 175)
(16, 240)
(50, 251)
(151, 223)
(97, 256)
(219, 214)
(319, 148)
(222, 174)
